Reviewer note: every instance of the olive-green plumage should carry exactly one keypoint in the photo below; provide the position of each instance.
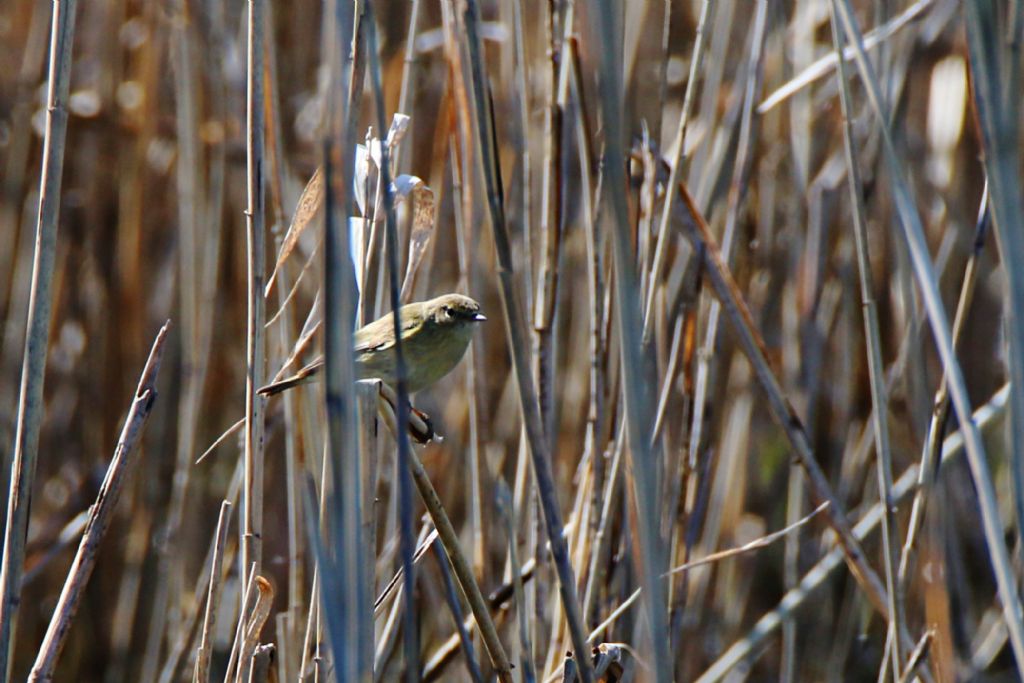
(435, 335)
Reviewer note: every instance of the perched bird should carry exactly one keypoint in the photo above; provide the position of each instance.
(435, 335)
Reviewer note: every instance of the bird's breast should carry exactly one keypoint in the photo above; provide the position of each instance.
(430, 354)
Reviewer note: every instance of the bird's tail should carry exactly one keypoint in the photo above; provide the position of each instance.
(306, 374)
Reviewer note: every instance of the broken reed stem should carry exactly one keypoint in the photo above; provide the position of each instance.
(243, 609)
(254, 625)
(30, 396)
(100, 515)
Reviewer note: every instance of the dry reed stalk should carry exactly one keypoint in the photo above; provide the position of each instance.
(994, 74)
(635, 371)
(405, 502)
(255, 217)
(452, 599)
(940, 413)
(343, 603)
(880, 404)
(30, 396)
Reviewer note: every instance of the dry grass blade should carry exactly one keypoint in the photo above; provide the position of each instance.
(635, 370)
(389, 589)
(933, 441)
(456, 609)
(405, 500)
(995, 73)
(747, 547)
(917, 656)
(506, 508)
(450, 541)
(344, 604)
(879, 400)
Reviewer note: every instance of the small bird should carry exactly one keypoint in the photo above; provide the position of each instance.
(435, 335)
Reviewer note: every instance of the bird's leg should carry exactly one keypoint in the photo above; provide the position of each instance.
(419, 425)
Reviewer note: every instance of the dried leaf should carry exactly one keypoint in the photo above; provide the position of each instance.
(310, 201)
(422, 198)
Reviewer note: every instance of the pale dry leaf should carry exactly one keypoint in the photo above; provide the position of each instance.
(310, 201)
(422, 206)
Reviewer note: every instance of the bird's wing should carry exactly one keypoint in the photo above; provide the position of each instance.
(380, 334)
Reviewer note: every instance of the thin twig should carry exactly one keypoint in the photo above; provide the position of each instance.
(756, 544)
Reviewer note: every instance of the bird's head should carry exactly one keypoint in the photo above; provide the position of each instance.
(454, 309)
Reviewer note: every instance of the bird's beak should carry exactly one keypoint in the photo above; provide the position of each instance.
(479, 318)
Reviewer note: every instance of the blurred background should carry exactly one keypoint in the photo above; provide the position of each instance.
(152, 227)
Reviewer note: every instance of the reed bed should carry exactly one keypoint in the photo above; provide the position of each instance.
(749, 401)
